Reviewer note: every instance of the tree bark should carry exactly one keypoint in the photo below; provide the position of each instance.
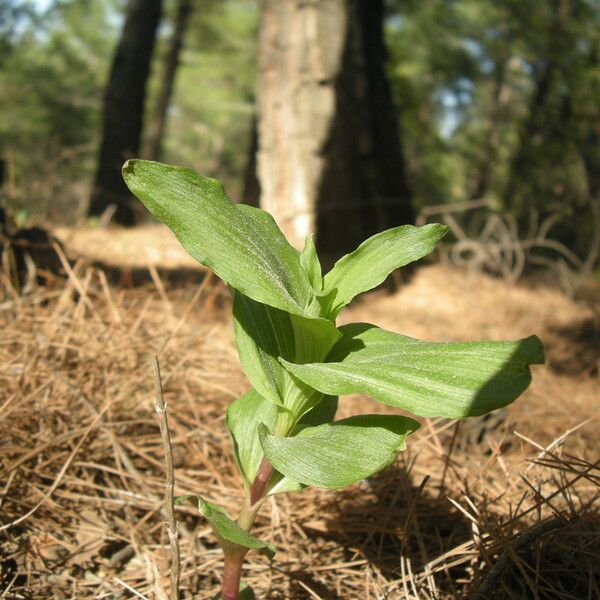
(364, 187)
(300, 50)
(329, 158)
(159, 120)
(124, 108)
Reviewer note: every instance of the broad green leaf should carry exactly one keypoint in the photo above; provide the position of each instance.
(310, 263)
(242, 245)
(338, 454)
(375, 259)
(430, 379)
(226, 529)
(244, 415)
(323, 412)
(264, 334)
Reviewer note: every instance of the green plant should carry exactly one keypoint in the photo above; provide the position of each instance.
(298, 361)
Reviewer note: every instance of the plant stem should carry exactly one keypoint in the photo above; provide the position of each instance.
(263, 476)
(232, 571)
(232, 575)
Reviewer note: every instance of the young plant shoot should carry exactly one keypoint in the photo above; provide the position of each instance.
(298, 361)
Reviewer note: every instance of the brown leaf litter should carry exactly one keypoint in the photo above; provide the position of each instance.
(81, 465)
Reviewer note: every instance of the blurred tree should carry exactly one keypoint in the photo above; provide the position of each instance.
(156, 127)
(12, 16)
(546, 70)
(52, 70)
(499, 100)
(549, 173)
(251, 185)
(328, 148)
(213, 102)
(432, 75)
(124, 108)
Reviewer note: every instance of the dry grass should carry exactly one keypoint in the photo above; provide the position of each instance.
(81, 465)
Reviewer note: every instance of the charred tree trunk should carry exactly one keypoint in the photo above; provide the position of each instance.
(529, 140)
(363, 189)
(124, 108)
(590, 146)
(251, 191)
(329, 158)
(159, 120)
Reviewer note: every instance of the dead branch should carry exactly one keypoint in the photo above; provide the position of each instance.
(493, 578)
(498, 247)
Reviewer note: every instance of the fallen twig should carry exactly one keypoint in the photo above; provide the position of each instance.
(172, 529)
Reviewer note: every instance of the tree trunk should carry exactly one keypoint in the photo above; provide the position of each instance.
(124, 108)
(329, 159)
(535, 125)
(157, 125)
(364, 186)
(251, 191)
(497, 116)
(300, 50)
(529, 141)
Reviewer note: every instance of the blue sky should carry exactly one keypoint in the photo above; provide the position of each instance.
(42, 5)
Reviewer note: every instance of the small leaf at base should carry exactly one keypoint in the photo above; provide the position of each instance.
(229, 533)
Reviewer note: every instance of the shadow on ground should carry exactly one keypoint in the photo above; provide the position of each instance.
(389, 518)
(555, 559)
(578, 349)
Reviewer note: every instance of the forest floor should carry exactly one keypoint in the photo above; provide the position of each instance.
(81, 462)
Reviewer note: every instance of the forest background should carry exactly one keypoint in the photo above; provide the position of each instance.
(495, 101)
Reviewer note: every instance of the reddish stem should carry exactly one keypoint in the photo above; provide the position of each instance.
(234, 560)
(232, 576)
(263, 476)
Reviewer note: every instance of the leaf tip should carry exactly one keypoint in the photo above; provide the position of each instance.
(128, 167)
(441, 229)
(181, 499)
(535, 347)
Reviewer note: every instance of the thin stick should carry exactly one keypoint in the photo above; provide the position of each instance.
(130, 589)
(161, 410)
